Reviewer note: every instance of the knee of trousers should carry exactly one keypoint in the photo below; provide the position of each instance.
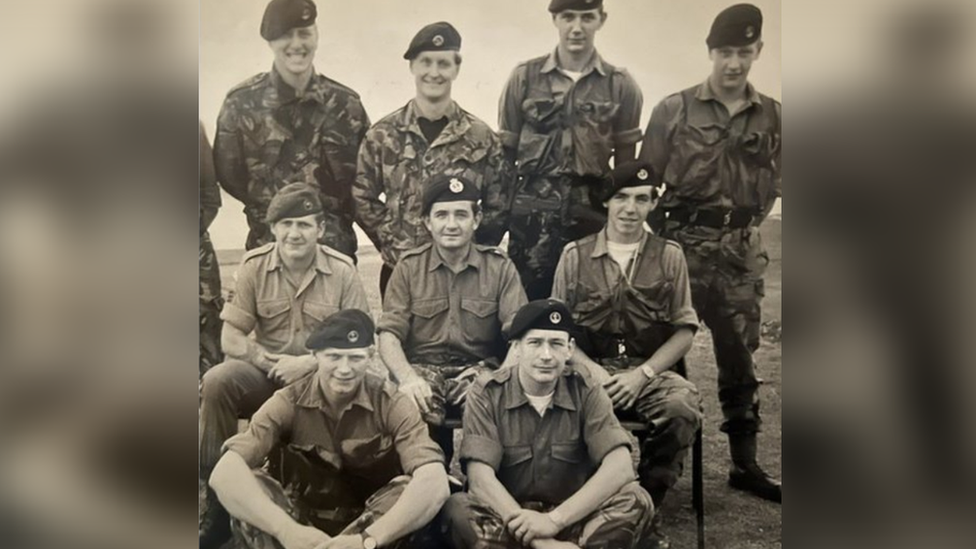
(636, 497)
(217, 383)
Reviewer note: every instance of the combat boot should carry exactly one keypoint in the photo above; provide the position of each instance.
(746, 474)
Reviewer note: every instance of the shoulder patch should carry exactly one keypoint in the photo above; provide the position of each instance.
(252, 82)
(259, 251)
(332, 252)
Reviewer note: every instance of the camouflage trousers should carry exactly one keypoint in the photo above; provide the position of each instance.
(449, 387)
(549, 212)
(211, 302)
(670, 407)
(726, 268)
(621, 522)
(246, 536)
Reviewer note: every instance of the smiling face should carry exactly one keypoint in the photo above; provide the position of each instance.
(298, 236)
(627, 210)
(731, 65)
(452, 224)
(434, 72)
(294, 51)
(341, 371)
(577, 29)
(542, 356)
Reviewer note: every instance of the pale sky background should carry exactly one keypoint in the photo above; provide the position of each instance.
(361, 44)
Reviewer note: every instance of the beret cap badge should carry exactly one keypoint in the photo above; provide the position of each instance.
(308, 205)
(642, 175)
(750, 31)
(306, 13)
(438, 40)
(555, 317)
(353, 336)
(456, 186)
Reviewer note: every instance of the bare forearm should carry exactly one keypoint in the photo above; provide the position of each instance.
(419, 503)
(391, 351)
(242, 496)
(615, 472)
(485, 486)
(237, 345)
(672, 351)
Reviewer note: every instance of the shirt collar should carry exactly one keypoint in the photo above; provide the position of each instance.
(321, 260)
(601, 249)
(513, 395)
(313, 396)
(456, 122)
(706, 93)
(595, 63)
(473, 259)
(315, 90)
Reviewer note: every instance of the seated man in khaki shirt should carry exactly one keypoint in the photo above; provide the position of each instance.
(548, 463)
(357, 470)
(446, 306)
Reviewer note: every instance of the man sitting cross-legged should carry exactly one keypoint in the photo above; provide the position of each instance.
(548, 464)
(357, 470)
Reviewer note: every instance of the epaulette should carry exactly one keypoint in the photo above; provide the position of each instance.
(337, 254)
(673, 243)
(495, 250)
(415, 251)
(252, 82)
(374, 380)
(340, 86)
(499, 376)
(262, 250)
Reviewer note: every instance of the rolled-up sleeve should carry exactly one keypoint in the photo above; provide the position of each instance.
(656, 148)
(564, 283)
(396, 304)
(510, 109)
(601, 430)
(481, 440)
(410, 435)
(241, 311)
(267, 426)
(512, 296)
(626, 125)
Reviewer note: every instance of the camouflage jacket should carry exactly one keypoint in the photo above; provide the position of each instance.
(267, 137)
(395, 160)
(712, 159)
(561, 127)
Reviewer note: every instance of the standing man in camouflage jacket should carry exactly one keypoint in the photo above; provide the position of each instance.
(429, 136)
(291, 125)
(717, 145)
(562, 116)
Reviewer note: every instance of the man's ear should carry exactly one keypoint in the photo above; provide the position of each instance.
(426, 220)
(759, 46)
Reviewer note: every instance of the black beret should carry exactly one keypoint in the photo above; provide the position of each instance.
(542, 314)
(448, 188)
(440, 36)
(557, 6)
(631, 174)
(293, 200)
(347, 329)
(283, 15)
(738, 25)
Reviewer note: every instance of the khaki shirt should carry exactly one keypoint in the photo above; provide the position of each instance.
(282, 315)
(445, 318)
(561, 127)
(380, 435)
(711, 159)
(396, 161)
(545, 459)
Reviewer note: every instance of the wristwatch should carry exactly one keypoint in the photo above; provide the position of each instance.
(369, 542)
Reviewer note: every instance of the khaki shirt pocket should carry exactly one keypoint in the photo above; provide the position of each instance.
(514, 455)
(429, 319)
(479, 319)
(316, 311)
(274, 318)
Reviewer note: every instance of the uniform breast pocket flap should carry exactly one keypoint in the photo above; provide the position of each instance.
(364, 448)
(570, 452)
(273, 308)
(513, 455)
(319, 311)
(481, 308)
(429, 308)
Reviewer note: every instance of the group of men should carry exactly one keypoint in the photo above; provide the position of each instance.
(540, 352)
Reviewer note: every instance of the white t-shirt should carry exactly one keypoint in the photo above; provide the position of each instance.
(540, 403)
(622, 253)
(575, 75)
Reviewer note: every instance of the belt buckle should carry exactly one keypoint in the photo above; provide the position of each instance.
(727, 219)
